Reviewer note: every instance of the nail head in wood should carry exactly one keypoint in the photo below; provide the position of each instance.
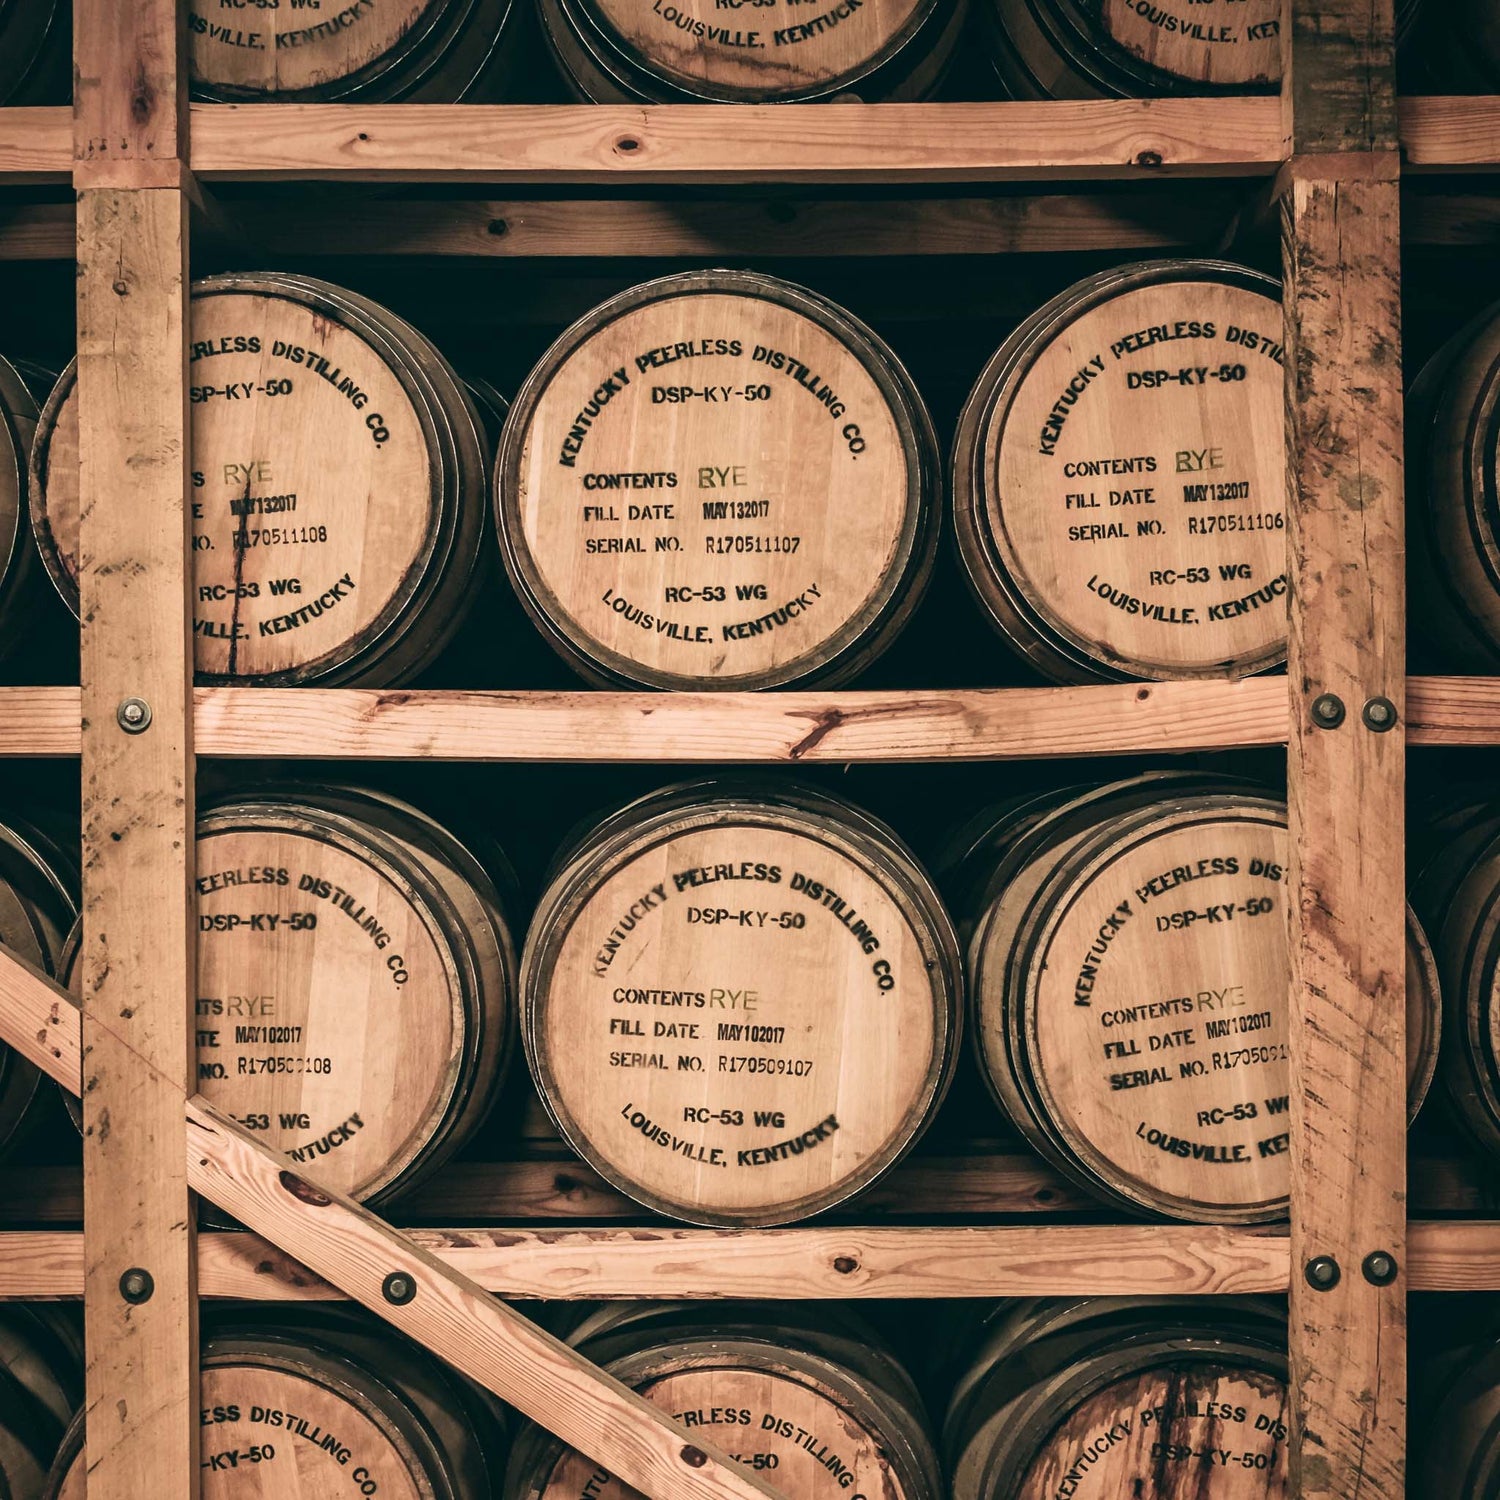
(1323, 1273)
(134, 715)
(399, 1288)
(1380, 1268)
(1328, 710)
(136, 1286)
(1379, 714)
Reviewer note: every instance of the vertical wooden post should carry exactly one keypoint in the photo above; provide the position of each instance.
(138, 961)
(1346, 762)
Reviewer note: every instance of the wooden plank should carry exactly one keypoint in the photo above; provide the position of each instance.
(1450, 134)
(129, 93)
(995, 723)
(1447, 220)
(792, 1264)
(720, 144)
(1345, 783)
(36, 145)
(1157, 218)
(681, 728)
(138, 967)
(37, 231)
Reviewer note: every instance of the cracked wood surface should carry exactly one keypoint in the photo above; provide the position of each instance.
(137, 961)
(1346, 795)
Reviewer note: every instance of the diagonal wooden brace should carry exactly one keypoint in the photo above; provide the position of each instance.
(356, 1251)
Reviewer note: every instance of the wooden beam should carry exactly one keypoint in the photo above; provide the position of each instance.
(1450, 134)
(1155, 217)
(137, 964)
(36, 145)
(1122, 139)
(916, 725)
(1345, 774)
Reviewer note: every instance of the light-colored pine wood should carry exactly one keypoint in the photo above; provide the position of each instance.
(1450, 133)
(137, 837)
(1117, 478)
(1346, 785)
(129, 94)
(36, 145)
(740, 143)
(740, 1009)
(923, 1262)
(718, 480)
(994, 724)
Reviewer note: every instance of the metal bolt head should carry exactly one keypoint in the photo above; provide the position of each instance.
(136, 1286)
(1379, 714)
(1380, 1268)
(399, 1288)
(1322, 1273)
(1328, 710)
(134, 715)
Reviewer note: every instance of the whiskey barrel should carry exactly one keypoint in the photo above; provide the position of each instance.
(34, 51)
(38, 905)
(1453, 426)
(1118, 491)
(1458, 895)
(718, 480)
(741, 1001)
(339, 487)
(1164, 1398)
(814, 1404)
(41, 1382)
(1128, 986)
(355, 982)
(776, 51)
(1093, 49)
(18, 416)
(325, 1409)
(353, 51)
(1456, 1445)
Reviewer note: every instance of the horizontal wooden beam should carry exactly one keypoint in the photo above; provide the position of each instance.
(1450, 133)
(708, 728)
(723, 144)
(816, 143)
(1029, 1261)
(36, 145)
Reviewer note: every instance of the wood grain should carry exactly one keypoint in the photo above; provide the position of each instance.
(1151, 217)
(137, 839)
(914, 725)
(36, 145)
(720, 144)
(129, 91)
(1347, 805)
(1450, 134)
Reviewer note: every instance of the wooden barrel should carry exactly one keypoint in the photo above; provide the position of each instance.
(351, 51)
(1453, 490)
(323, 1409)
(670, 523)
(1092, 49)
(737, 52)
(1456, 1445)
(1128, 988)
(741, 1001)
(1458, 895)
(1456, 48)
(38, 905)
(18, 417)
(35, 55)
(1102, 1398)
(816, 1406)
(339, 487)
(1118, 485)
(41, 1382)
(356, 981)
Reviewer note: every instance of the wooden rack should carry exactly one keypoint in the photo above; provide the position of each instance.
(1332, 151)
